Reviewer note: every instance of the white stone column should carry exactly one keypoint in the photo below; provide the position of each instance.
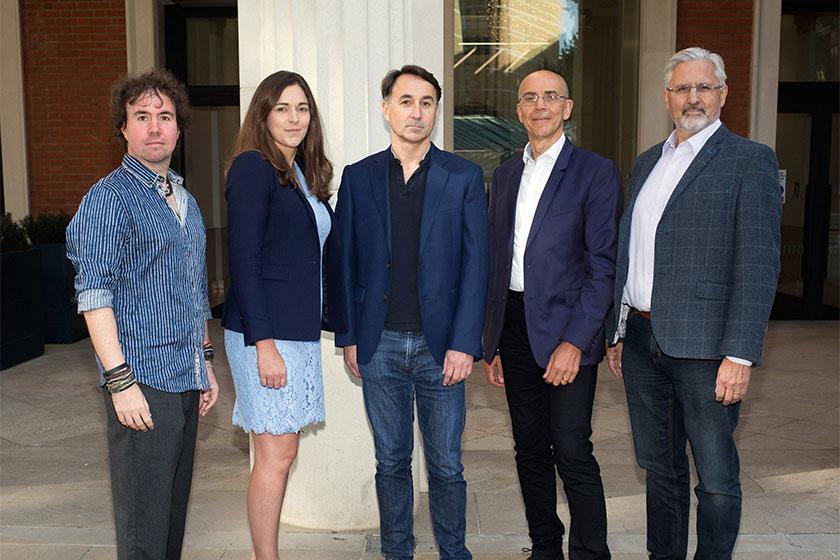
(12, 114)
(764, 87)
(343, 49)
(657, 40)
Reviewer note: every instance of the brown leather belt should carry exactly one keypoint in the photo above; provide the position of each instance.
(645, 314)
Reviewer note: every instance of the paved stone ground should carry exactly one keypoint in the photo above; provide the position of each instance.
(55, 500)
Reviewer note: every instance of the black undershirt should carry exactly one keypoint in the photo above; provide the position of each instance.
(406, 201)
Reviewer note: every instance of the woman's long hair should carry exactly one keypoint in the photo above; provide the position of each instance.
(254, 135)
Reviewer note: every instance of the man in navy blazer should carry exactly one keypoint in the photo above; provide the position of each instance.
(698, 261)
(553, 226)
(413, 221)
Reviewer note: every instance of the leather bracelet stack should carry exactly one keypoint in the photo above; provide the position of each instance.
(120, 378)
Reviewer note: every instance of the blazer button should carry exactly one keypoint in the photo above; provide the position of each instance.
(387, 265)
(385, 297)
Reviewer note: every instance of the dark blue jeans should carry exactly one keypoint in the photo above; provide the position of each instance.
(671, 402)
(151, 475)
(401, 368)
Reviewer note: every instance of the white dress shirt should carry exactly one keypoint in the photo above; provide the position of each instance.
(648, 209)
(531, 186)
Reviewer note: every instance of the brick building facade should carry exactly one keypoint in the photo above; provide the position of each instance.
(724, 27)
(72, 53)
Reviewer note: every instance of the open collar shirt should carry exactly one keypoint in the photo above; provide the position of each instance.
(133, 253)
(531, 186)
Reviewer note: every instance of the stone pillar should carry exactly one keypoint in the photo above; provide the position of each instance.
(343, 48)
(657, 40)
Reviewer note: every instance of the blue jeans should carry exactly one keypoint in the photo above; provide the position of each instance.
(672, 401)
(401, 368)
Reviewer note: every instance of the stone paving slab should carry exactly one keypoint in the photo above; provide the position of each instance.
(55, 492)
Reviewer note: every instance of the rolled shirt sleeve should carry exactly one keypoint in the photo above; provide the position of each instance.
(95, 245)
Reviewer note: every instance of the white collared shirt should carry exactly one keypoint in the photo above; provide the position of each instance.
(648, 209)
(534, 177)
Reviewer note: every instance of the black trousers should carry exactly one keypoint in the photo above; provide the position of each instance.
(151, 475)
(551, 429)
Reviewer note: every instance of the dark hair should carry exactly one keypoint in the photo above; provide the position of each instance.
(254, 135)
(129, 89)
(391, 78)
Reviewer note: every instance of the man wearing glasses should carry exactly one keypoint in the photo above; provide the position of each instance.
(554, 215)
(698, 261)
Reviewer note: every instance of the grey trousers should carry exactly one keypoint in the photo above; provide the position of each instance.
(151, 475)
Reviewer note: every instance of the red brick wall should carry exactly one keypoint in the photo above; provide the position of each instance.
(72, 51)
(724, 27)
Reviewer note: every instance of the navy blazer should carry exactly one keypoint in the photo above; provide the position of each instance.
(453, 253)
(274, 256)
(569, 256)
(716, 259)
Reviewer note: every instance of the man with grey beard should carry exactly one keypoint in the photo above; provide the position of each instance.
(698, 260)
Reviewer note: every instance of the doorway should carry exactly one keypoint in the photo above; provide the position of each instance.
(807, 136)
(202, 51)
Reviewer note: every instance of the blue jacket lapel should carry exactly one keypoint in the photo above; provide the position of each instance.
(550, 189)
(709, 150)
(511, 193)
(435, 186)
(310, 212)
(380, 177)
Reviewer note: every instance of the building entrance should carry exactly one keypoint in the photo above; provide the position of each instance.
(807, 146)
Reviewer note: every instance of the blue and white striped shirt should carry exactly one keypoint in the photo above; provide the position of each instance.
(133, 254)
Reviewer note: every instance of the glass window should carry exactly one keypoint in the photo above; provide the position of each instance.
(593, 44)
(212, 51)
(208, 142)
(810, 48)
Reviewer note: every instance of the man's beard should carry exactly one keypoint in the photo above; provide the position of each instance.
(695, 123)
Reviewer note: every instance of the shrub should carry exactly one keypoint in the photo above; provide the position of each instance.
(46, 227)
(12, 235)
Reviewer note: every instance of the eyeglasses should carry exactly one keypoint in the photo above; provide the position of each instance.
(684, 90)
(549, 98)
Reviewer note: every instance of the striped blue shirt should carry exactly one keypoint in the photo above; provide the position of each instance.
(133, 254)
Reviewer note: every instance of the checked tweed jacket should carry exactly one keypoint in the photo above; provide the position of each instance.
(717, 251)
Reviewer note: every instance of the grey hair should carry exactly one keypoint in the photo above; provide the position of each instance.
(695, 53)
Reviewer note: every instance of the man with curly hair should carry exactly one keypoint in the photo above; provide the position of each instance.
(137, 243)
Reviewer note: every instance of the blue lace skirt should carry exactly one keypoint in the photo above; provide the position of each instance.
(262, 410)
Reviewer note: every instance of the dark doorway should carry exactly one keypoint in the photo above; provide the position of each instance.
(807, 146)
(202, 51)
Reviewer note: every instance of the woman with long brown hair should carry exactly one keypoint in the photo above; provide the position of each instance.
(284, 268)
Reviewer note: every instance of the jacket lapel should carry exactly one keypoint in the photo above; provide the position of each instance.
(709, 150)
(435, 186)
(510, 192)
(550, 189)
(380, 177)
(640, 176)
(309, 211)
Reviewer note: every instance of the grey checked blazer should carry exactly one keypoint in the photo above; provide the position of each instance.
(717, 251)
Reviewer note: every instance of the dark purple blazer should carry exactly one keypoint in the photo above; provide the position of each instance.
(569, 257)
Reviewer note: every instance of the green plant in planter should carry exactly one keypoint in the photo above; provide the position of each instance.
(46, 228)
(12, 235)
